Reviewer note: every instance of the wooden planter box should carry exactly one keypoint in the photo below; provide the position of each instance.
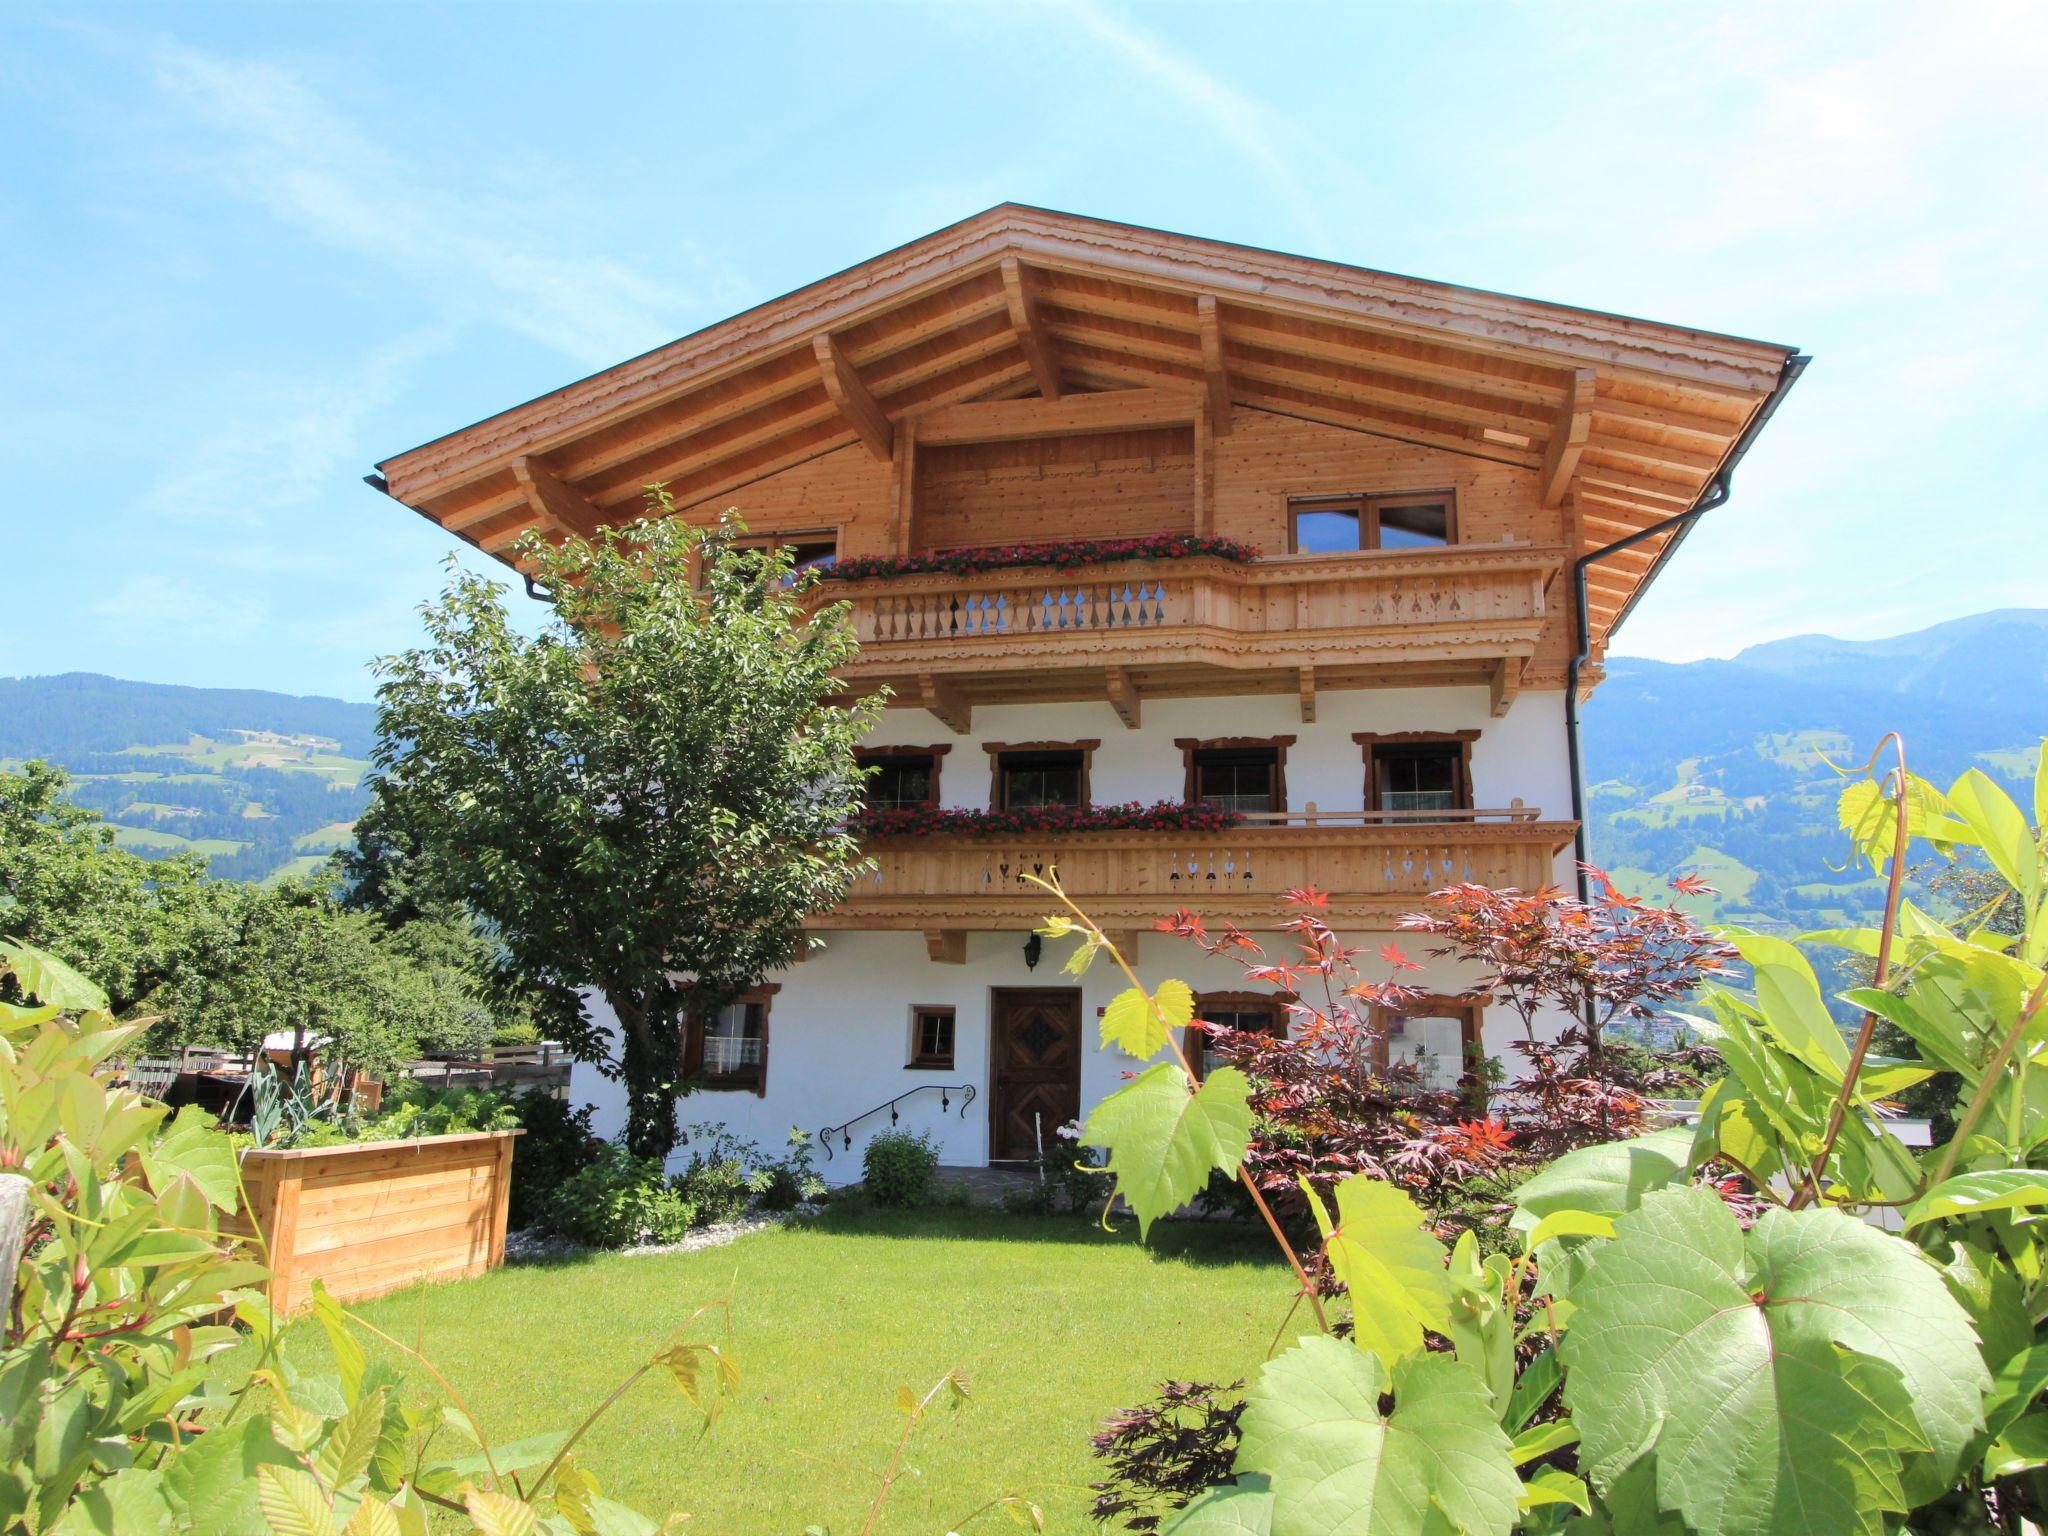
(370, 1218)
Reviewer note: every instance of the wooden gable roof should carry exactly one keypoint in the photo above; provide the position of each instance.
(1625, 420)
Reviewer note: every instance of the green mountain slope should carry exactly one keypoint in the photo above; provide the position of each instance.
(262, 784)
(1720, 766)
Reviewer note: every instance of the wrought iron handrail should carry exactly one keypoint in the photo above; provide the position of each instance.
(945, 1091)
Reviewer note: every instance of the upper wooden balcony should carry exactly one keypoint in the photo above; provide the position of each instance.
(1374, 866)
(1471, 613)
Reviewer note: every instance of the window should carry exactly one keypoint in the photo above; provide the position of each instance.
(1239, 775)
(729, 1048)
(1340, 525)
(1042, 773)
(901, 776)
(1253, 1013)
(815, 549)
(931, 1039)
(1419, 775)
(1438, 1037)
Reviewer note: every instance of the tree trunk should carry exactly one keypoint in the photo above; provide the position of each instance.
(650, 1065)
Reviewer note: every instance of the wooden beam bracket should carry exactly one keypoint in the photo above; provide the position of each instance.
(1022, 305)
(1215, 377)
(946, 702)
(1123, 696)
(946, 946)
(1308, 695)
(1568, 437)
(1507, 684)
(855, 400)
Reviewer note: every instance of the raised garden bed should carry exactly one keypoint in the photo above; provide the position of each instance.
(373, 1216)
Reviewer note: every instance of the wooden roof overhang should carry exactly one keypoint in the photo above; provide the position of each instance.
(1626, 421)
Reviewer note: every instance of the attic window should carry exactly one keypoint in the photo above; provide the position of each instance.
(1403, 520)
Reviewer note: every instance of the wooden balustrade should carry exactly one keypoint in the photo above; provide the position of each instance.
(1372, 872)
(1468, 601)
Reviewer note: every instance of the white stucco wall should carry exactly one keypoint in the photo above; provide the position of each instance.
(839, 1035)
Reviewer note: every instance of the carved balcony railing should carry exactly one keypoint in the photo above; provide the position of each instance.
(1472, 602)
(1374, 866)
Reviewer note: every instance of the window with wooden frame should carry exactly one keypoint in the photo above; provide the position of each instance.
(901, 776)
(1440, 1037)
(1418, 771)
(931, 1039)
(1336, 525)
(728, 1048)
(811, 549)
(1253, 1013)
(1238, 773)
(1031, 774)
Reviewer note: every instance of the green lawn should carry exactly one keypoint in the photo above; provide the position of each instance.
(1055, 1321)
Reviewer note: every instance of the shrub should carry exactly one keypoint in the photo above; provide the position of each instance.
(791, 1181)
(900, 1168)
(617, 1201)
(1164, 1452)
(557, 1146)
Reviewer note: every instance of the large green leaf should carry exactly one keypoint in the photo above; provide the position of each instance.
(1785, 1382)
(211, 1484)
(194, 1152)
(1789, 997)
(49, 980)
(1607, 1178)
(1242, 1509)
(1138, 1025)
(1165, 1135)
(1340, 1466)
(1392, 1267)
(2000, 829)
(1969, 1194)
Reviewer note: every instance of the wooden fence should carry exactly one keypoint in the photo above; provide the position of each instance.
(370, 1218)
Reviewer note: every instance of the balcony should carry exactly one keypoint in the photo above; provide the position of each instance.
(1466, 614)
(1374, 865)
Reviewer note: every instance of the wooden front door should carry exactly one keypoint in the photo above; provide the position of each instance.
(1035, 1045)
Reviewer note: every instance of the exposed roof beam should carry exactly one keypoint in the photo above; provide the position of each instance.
(1215, 380)
(1023, 308)
(851, 395)
(1568, 437)
(999, 421)
(1654, 456)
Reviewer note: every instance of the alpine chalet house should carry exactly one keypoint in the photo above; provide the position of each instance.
(1398, 522)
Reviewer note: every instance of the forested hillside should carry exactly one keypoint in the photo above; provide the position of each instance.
(1717, 766)
(263, 784)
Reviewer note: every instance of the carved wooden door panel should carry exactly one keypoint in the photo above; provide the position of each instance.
(1035, 1051)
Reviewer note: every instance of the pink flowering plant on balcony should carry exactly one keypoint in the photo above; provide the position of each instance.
(1065, 554)
(935, 821)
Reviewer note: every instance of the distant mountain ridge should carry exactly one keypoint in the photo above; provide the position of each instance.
(1720, 766)
(264, 785)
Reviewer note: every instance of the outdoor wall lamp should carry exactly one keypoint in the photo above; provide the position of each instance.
(1033, 948)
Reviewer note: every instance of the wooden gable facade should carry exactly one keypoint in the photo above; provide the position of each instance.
(1030, 376)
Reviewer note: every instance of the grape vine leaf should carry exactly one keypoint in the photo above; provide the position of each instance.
(1244, 1508)
(1393, 1269)
(1164, 1135)
(1339, 1466)
(1606, 1178)
(1138, 1025)
(1812, 1376)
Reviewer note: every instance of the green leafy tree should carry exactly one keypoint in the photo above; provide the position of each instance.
(645, 799)
(67, 887)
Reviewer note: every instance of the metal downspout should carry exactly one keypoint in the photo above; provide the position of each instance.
(1715, 493)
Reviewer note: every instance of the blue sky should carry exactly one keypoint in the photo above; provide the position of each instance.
(247, 251)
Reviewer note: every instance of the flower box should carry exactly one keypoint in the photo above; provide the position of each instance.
(933, 821)
(1064, 555)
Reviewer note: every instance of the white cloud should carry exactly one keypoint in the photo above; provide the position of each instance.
(1279, 148)
(483, 254)
(281, 445)
(145, 603)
